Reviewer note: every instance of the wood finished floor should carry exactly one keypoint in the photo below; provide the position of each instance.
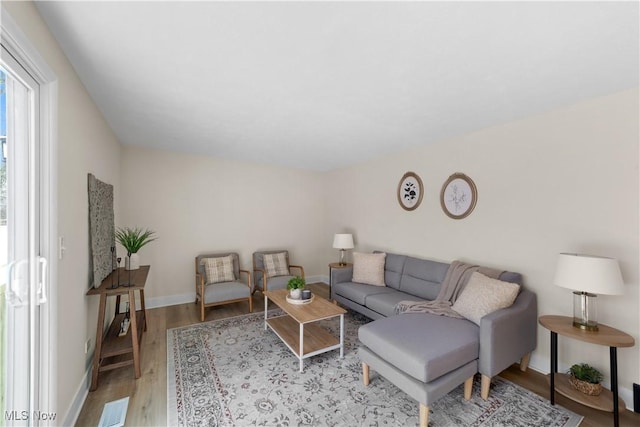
(148, 394)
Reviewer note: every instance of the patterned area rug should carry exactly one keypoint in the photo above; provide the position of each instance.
(232, 372)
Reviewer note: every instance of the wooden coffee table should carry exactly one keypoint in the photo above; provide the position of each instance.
(297, 329)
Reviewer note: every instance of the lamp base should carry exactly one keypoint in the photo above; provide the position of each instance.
(585, 311)
(586, 327)
(342, 262)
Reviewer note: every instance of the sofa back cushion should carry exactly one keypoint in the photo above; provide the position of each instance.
(393, 266)
(422, 277)
(511, 277)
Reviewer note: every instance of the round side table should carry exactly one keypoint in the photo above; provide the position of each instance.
(605, 336)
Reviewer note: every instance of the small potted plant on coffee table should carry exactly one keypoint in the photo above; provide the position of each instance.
(295, 287)
(586, 379)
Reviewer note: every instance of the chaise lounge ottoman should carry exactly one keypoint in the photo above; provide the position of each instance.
(425, 362)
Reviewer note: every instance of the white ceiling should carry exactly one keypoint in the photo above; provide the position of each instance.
(322, 85)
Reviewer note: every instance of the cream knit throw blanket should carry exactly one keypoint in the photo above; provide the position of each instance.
(453, 284)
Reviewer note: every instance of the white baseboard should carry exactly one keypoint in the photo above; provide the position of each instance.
(316, 279)
(157, 302)
(78, 400)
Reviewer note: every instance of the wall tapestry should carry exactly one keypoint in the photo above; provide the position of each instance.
(101, 229)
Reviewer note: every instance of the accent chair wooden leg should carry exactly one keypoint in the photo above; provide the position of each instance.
(524, 362)
(365, 373)
(424, 415)
(201, 310)
(484, 388)
(468, 387)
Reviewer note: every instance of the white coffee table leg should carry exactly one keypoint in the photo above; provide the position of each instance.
(301, 345)
(341, 336)
(265, 312)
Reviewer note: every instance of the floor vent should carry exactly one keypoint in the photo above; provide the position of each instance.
(114, 413)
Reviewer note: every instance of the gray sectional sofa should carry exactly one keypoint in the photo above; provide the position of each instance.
(427, 355)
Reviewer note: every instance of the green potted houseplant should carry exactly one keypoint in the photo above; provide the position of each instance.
(586, 379)
(132, 239)
(295, 287)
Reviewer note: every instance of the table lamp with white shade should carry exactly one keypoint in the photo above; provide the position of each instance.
(343, 242)
(587, 276)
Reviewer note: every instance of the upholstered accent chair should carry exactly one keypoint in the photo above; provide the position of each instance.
(272, 270)
(218, 281)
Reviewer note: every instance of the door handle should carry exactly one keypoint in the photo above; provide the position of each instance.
(42, 280)
(15, 295)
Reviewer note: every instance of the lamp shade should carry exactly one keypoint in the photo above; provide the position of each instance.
(343, 241)
(587, 273)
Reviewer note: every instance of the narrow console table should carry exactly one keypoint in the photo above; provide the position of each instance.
(608, 400)
(111, 349)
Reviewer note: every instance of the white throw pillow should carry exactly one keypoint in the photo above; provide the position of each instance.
(368, 268)
(484, 295)
(276, 264)
(219, 269)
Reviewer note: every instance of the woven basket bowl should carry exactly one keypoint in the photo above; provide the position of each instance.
(585, 387)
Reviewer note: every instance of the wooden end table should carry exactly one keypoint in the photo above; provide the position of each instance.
(297, 329)
(608, 400)
(109, 344)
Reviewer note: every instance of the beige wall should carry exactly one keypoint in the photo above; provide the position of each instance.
(85, 144)
(557, 182)
(201, 204)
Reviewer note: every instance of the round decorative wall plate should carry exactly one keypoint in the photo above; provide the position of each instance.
(410, 191)
(458, 196)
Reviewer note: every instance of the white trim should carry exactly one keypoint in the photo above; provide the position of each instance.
(315, 279)
(19, 45)
(16, 42)
(157, 302)
(78, 400)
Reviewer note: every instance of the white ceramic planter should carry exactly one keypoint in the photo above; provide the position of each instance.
(295, 293)
(132, 263)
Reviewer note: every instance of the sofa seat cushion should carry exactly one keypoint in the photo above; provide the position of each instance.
(385, 304)
(273, 283)
(424, 346)
(358, 292)
(225, 291)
